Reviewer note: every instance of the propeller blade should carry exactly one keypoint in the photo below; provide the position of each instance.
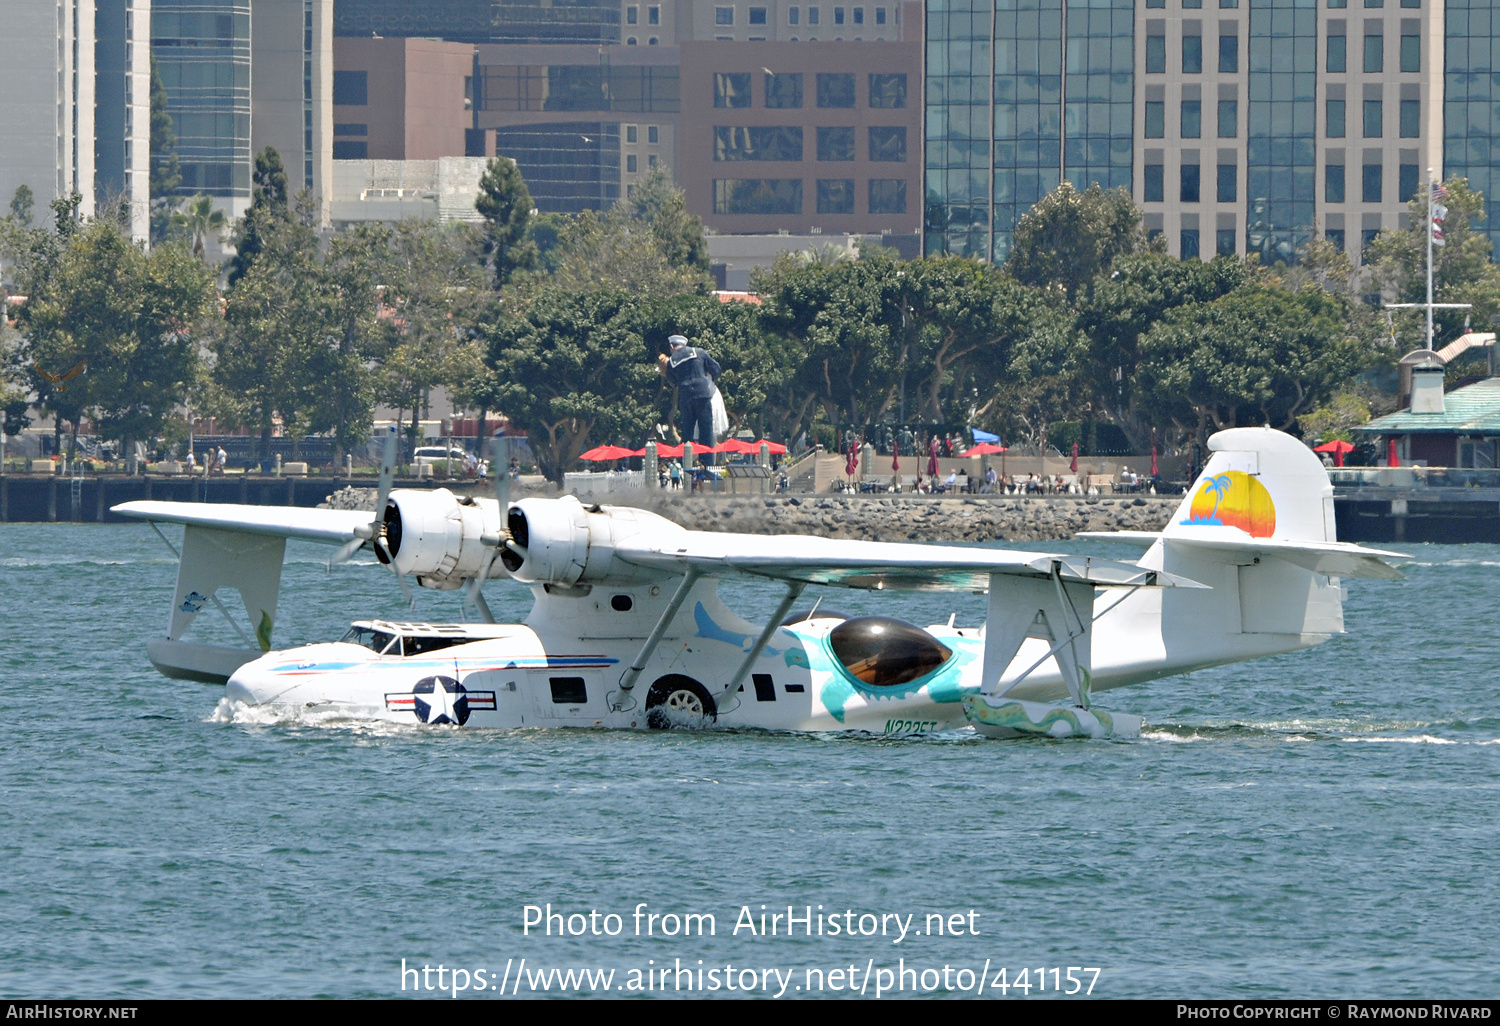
(345, 553)
(500, 468)
(387, 474)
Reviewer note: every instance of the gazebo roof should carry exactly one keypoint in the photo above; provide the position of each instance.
(1470, 410)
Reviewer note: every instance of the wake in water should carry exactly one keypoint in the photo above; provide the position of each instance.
(1331, 729)
(229, 711)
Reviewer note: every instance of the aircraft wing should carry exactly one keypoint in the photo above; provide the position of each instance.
(321, 525)
(866, 564)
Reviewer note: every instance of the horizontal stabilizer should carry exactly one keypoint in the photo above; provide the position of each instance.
(1135, 537)
(321, 525)
(1337, 559)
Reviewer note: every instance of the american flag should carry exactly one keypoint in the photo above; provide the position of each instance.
(1439, 193)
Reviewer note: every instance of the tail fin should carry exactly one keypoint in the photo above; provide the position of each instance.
(1258, 514)
(1259, 483)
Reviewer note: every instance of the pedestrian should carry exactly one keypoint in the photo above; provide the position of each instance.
(676, 474)
(222, 459)
(192, 463)
(694, 372)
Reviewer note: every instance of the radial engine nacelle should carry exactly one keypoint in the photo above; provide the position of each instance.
(440, 538)
(443, 540)
(562, 542)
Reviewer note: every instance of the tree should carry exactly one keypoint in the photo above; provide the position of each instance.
(199, 220)
(130, 316)
(432, 285)
(1258, 355)
(269, 206)
(505, 204)
(21, 204)
(570, 372)
(1068, 238)
(166, 171)
(646, 244)
(662, 206)
(1117, 312)
(845, 320)
(264, 348)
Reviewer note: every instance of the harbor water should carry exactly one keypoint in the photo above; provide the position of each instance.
(1325, 824)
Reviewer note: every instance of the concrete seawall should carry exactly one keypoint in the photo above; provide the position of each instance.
(894, 517)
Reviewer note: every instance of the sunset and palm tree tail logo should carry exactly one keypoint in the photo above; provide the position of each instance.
(1234, 499)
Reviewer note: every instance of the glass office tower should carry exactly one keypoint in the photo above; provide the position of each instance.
(1008, 117)
(1281, 127)
(202, 50)
(1471, 104)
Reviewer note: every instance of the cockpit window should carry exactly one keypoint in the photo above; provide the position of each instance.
(885, 652)
(375, 641)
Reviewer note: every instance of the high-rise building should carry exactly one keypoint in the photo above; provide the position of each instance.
(1471, 100)
(47, 103)
(240, 77)
(1238, 125)
(122, 109)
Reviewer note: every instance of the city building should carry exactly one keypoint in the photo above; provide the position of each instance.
(804, 137)
(122, 109)
(47, 117)
(483, 21)
(442, 189)
(241, 77)
(590, 98)
(1238, 125)
(401, 99)
(583, 123)
(1471, 118)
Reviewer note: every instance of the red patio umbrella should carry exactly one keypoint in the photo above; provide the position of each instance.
(1073, 466)
(896, 456)
(735, 445)
(1153, 461)
(1391, 460)
(1338, 447)
(986, 449)
(932, 460)
(607, 452)
(775, 448)
(668, 450)
(852, 464)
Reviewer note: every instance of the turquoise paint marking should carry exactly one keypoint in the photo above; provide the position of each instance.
(713, 632)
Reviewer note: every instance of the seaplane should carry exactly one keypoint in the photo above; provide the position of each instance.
(627, 629)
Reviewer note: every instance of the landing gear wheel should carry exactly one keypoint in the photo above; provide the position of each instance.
(679, 701)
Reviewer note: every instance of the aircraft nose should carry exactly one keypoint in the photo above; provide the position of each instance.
(249, 686)
(238, 691)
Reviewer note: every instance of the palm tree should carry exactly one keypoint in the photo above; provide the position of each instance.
(200, 220)
(1218, 484)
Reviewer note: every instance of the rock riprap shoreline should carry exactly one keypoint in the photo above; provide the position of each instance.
(890, 517)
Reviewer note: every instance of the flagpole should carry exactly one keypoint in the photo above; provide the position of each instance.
(1430, 228)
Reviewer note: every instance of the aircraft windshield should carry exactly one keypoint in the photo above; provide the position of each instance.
(368, 637)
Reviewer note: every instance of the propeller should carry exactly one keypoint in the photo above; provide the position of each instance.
(500, 471)
(374, 532)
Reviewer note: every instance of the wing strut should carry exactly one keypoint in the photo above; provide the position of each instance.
(793, 591)
(1048, 609)
(631, 675)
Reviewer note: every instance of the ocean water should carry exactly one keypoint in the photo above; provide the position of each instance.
(1324, 824)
